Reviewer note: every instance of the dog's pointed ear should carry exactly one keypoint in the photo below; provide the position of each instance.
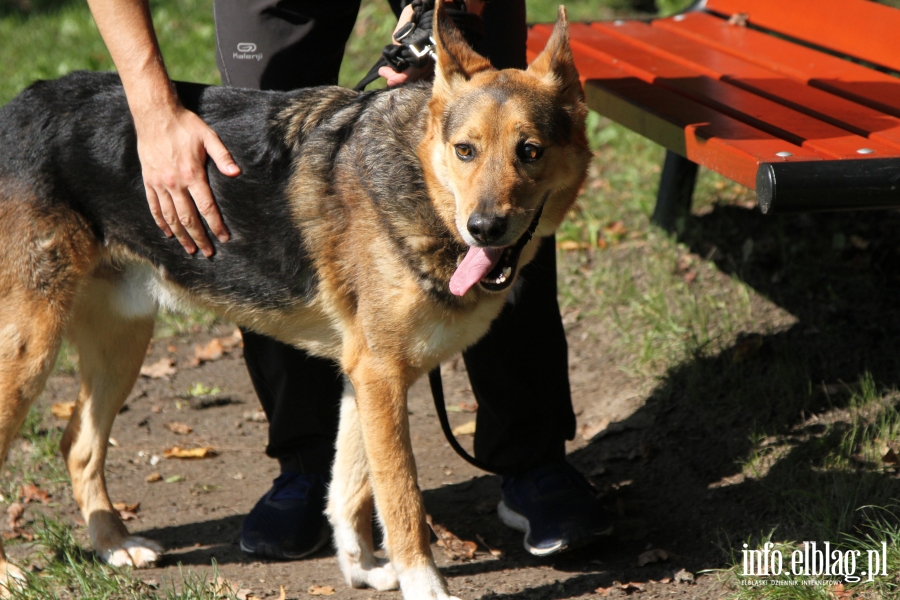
(555, 61)
(456, 62)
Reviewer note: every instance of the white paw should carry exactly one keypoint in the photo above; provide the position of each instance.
(12, 578)
(135, 551)
(424, 583)
(381, 576)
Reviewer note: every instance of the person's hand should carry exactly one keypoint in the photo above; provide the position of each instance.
(416, 73)
(173, 144)
(411, 73)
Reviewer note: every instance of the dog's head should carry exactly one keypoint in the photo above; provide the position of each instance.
(507, 151)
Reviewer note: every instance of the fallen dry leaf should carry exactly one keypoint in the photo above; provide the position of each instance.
(652, 556)
(589, 430)
(465, 429)
(318, 590)
(255, 416)
(179, 428)
(224, 587)
(164, 367)
(213, 350)
(467, 407)
(127, 512)
(63, 410)
(32, 493)
(615, 230)
(235, 340)
(571, 245)
(455, 548)
(683, 576)
(120, 506)
(153, 477)
(176, 452)
(492, 550)
(15, 512)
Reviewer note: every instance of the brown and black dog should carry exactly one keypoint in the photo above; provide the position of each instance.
(382, 230)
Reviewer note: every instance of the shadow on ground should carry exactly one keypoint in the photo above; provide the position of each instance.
(676, 473)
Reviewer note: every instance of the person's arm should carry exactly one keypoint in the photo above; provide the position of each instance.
(173, 142)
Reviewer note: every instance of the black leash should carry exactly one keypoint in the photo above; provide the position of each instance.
(437, 391)
(416, 48)
(437, 385)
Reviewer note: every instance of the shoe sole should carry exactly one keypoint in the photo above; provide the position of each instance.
(519, 522)
(268, 551)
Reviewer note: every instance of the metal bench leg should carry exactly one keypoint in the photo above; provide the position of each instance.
(676, 188)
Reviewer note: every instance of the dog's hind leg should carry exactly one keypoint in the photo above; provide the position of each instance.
(350, 505)
(30, 335)
(44, 256)
(111, 328)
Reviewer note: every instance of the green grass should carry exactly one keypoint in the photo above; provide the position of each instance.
(60, 569)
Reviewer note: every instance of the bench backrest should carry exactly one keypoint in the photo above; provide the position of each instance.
(857, 28)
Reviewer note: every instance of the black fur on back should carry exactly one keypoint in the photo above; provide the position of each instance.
(73, 140)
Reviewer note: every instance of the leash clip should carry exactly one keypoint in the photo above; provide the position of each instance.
(426, 50)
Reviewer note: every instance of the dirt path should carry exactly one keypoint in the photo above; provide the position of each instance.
(198, 517)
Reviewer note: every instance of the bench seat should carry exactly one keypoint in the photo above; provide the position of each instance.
(762, 91)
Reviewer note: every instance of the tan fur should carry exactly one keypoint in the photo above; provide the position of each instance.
(369, 311)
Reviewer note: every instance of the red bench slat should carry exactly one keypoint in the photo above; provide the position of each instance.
(774, 86)
(857, 28)
(800, 129)
(701, 134)
(854, 82)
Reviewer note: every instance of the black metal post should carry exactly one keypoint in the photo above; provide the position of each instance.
(676, 190)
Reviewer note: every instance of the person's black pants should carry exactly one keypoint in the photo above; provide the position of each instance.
(518, 371)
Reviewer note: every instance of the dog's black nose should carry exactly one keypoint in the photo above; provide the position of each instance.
(487, 228)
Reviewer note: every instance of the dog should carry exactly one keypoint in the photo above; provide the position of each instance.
(383, 230)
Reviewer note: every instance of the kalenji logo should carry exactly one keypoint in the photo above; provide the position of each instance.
(247, 51)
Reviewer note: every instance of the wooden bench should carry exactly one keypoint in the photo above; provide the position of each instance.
(797, 99)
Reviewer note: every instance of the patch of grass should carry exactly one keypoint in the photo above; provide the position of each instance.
(67, 359)
(174, 323)
(665, 304)
(55, 37)
(63, 570)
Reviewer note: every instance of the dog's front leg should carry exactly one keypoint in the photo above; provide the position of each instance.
(350, 505)
(381, 404)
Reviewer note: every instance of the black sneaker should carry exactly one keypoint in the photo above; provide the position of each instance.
(555, 506)
(289, 521)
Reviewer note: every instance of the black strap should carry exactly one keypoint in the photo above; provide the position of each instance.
(437, 391)
(415, 38)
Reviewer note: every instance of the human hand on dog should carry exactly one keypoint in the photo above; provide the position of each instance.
(173, 144)
(415, 73)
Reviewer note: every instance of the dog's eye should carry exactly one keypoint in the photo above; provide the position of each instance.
(465, 152)
(530, 152)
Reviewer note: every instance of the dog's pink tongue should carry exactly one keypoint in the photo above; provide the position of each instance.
(477, 263)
